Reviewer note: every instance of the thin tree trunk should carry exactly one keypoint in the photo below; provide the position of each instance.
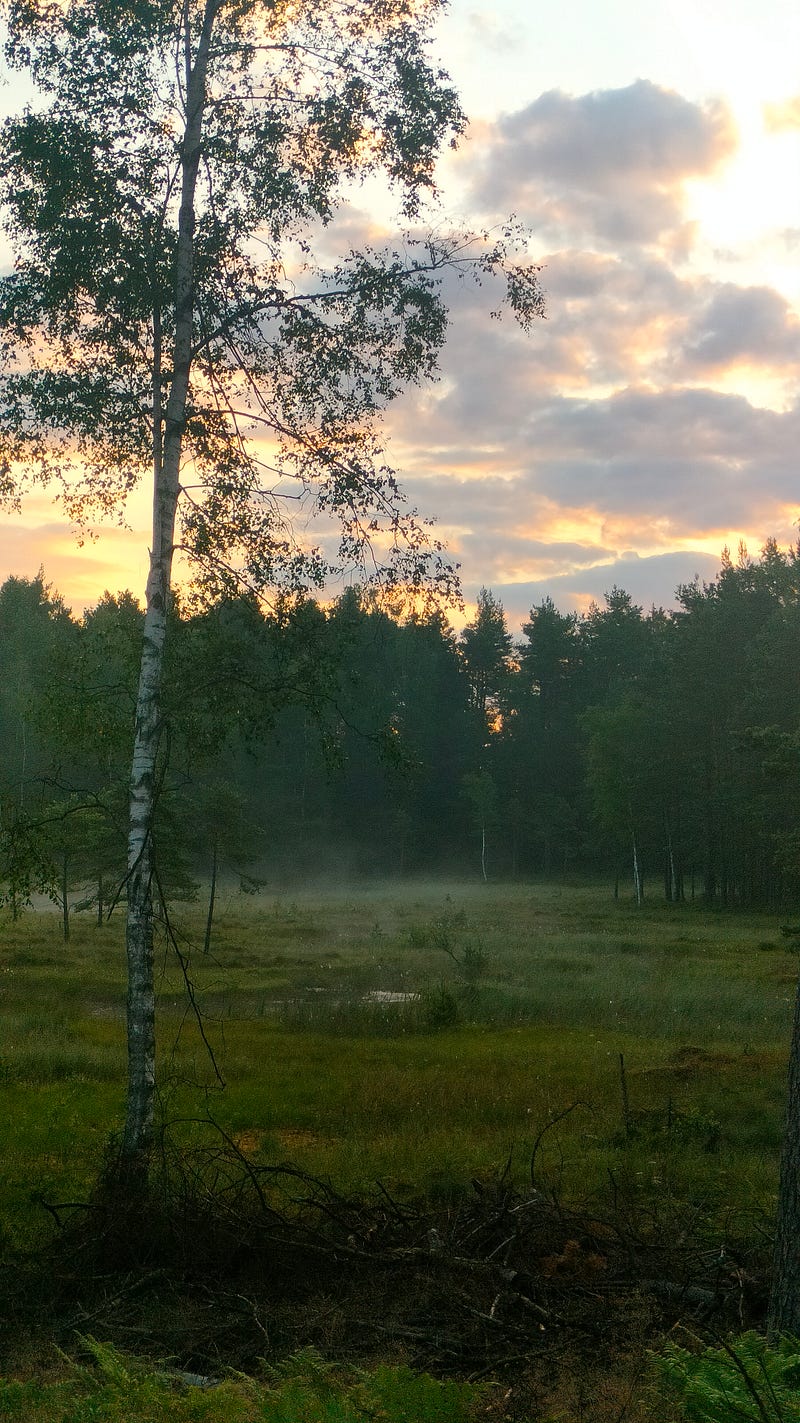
(304, 782)
(483, 850)
(670, 877)
(138, 1134)
(211, 898)
(100, 900)
(24, 770)
(139, 926)
(637, 879)
(784, 1303)
(403, 856)
(65, 896)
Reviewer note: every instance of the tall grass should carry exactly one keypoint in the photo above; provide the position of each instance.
(511, 1004)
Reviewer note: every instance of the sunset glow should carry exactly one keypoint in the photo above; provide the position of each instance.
(654, 416)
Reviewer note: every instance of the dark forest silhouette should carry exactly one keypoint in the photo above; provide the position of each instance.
(659, 748)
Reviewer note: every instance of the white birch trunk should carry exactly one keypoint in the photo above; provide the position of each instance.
(167, 449)
(637, 878)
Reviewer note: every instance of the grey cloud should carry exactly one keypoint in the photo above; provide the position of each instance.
(698, 422)
(662, 457)
(648, 580)
(753, 324)
(672, 462)
(610, 323)
(616, 317)
(642, 131)
(499, 552)
(511, 436)
(574, 278)
(608, 163)
(495, 33)
(491, 518)
(697, 457)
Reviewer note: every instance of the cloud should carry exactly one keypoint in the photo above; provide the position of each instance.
(690, 458)
(784, 116)
(636, 423)
(615, 316)
(495, 33)
(580, 483)
(116, 560)
(622, 440)
(648, 580)
(609, 164)
(642, 132)
(752, 325)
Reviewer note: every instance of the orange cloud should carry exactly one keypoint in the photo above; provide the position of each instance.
(115, 561)
(644, 425)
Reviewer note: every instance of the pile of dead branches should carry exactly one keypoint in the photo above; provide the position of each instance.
(225, 1259)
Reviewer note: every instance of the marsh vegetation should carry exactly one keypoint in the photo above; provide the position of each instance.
(430, 1045)
(420, 1031)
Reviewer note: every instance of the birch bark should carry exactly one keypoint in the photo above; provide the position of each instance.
(167, 449)
(349, 92)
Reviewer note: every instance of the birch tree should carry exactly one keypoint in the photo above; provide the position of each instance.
(166, 320)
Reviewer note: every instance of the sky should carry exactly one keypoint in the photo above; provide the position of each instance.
(653, 154)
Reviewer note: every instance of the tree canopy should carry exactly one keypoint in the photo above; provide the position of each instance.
(163, 197)
(351, 740)
(167, 317)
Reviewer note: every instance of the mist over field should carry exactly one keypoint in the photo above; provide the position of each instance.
(453, 930)
(400, 860)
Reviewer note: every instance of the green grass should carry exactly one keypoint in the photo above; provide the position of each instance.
(519, 1001)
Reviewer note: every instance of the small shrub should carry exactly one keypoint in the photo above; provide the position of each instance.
(473, 962)
(747, 1380)
(435, 935)
(673, 1127)
(442, 1010)
(399, 1393)
(441, 933)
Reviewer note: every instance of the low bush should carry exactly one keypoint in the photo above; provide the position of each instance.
(747, 1380)
(120, 1389)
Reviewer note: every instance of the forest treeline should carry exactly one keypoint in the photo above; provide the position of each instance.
(660, 748)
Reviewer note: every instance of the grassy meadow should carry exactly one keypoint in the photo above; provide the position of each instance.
(418, 1035)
